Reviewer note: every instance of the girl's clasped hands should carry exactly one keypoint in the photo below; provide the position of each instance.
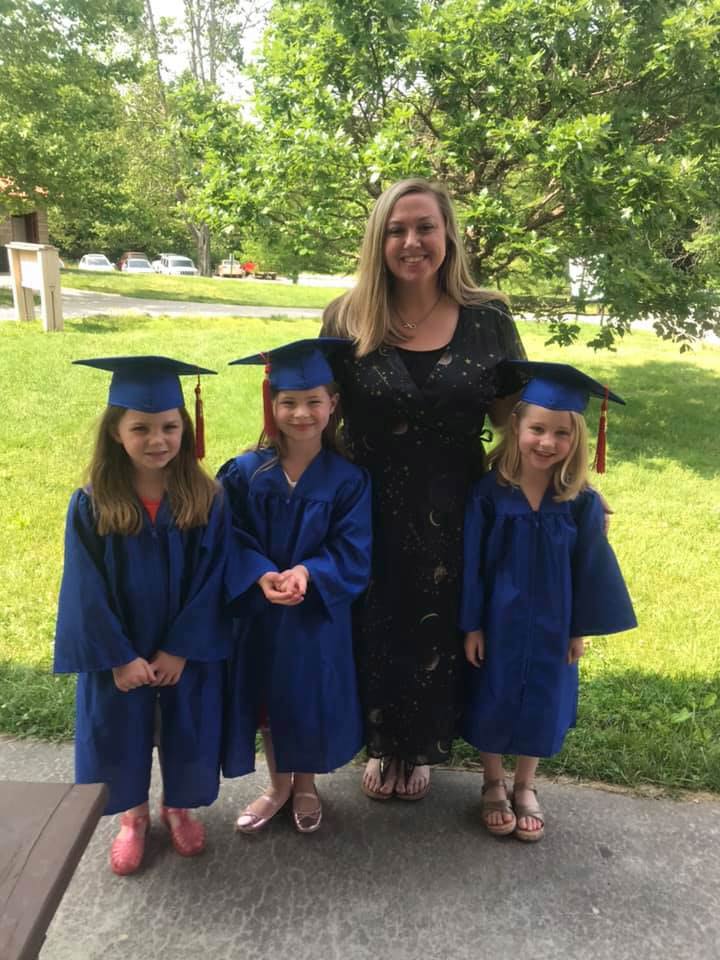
(287, 588)
(164, 670)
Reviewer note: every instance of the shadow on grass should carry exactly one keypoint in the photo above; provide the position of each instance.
(35, 703)
(673, 416)
(638, 728)
(104, 323)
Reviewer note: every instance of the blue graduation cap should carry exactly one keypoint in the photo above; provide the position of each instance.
(560, 386)
(301, 365)
(148, 384)
(152, 385)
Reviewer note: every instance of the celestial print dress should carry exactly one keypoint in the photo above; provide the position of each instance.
(422, 446)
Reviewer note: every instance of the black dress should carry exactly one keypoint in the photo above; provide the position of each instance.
(423, 448)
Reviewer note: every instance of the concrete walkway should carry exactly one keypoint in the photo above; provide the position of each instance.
(616, 878)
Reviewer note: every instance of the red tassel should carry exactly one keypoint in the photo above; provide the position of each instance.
(269, 425)
(601, 446)
(199, 424)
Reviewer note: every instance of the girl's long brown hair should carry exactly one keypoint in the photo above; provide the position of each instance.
(116, 505)
(569, 477)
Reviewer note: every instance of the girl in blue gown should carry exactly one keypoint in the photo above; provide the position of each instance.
(302, 515)
(141, 615)
(539, 575)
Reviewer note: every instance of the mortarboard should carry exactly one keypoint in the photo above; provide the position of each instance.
(560, 386)
(301, 365)
(151, 385)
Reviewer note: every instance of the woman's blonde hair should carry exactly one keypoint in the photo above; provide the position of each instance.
(331, 437)
(365, 313)
(116, 506)
(569, 477)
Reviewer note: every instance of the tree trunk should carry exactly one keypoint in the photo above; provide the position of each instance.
(201, 235)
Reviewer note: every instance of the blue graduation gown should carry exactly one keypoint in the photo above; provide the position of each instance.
(532, 580)
(297, 662)
(127, 596)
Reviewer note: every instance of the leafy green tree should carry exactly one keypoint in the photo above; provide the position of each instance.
(569, 128)
(60, 66)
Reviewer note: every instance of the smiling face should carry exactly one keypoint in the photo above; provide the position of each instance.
(545, 437)
(151, 440)
(414, 245)
(302, 415)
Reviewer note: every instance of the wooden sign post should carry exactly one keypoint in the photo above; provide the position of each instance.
(36, 266)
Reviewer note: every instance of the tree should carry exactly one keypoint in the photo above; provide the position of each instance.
(196, 120)
(583, 128)
(60, 64)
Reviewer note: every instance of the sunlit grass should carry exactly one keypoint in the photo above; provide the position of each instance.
(650, 698)
(202, 289)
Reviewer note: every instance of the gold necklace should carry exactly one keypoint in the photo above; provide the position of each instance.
(409, 325)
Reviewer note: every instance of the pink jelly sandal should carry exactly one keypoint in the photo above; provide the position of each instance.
(186, 833)
(128, 847)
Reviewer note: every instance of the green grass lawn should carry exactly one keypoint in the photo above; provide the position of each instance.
(650, 704)
(202, 289)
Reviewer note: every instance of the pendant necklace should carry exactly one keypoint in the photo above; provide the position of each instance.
(410, 325)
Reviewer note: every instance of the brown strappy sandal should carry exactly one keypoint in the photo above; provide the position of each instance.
(496, 806)
(527, 810)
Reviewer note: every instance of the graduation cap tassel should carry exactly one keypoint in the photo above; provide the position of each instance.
(269, 424)
(601, 445)
(199, 423)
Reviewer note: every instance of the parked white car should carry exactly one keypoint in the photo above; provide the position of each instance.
(137, 265)
(96, 261)
(177, 266)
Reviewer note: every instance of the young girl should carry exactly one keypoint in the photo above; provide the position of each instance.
(539, 575)
(302, 513)
(141, 617)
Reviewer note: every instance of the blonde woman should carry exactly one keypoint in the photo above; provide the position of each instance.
(415, 396)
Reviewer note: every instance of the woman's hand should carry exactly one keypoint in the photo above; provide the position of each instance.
(168, 668)
(475, 647)
(576, 649)
(607, 509)
(131, 675)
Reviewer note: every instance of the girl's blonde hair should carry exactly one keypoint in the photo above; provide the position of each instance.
(365, 313)
(331, 438)
(116, 506)
(569, 477)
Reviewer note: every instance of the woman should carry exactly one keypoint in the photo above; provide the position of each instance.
(415, 396)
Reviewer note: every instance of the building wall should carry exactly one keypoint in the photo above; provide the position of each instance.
(21, 229)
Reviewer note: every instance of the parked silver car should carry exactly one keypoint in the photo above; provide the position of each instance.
(177, 266)
(96, 261)
(137, 265)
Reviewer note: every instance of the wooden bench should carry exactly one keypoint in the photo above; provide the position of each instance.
(44, 830)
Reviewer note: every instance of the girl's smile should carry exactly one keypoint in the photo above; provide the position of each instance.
(151, 440)
(545, 437)
(303, 414)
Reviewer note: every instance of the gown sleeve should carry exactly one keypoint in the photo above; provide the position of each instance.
(89, 635)
(201, 630)
(246, 560)
(478, 517)
(340, 570)
(601, 602)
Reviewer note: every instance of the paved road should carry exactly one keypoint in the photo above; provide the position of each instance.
(84, 303)
(616, 878)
